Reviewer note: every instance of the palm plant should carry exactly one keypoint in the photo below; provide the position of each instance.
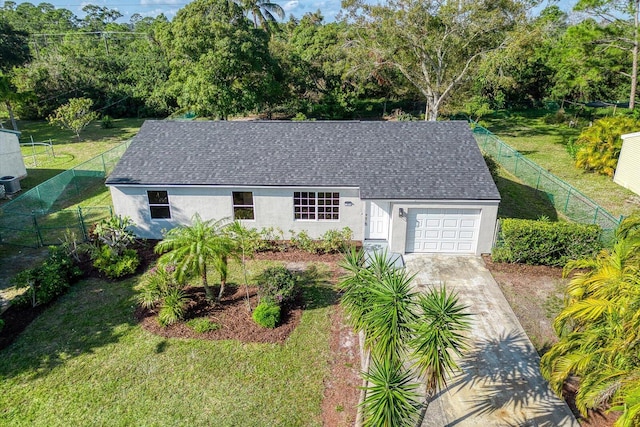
(599, 145)
(262, 12)
(392, 400)
(193, 248)
(438, 337)
(397, 323)
(599, 328)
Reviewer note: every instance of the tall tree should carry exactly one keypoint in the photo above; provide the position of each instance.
(519, 75)
(621, 29)
(8, 96)
(262, 12)
(14, 49)
(220, 65)
(433, 44)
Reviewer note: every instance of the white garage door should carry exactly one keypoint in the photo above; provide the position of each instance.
(443, 230)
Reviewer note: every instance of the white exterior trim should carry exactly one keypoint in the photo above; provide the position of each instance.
(628, 168)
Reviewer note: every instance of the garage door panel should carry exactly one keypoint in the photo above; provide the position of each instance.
(465, 247)
(443, 230)
(448, 246)
(450, 223)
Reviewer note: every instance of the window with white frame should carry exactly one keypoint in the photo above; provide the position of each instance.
(159, 204)
(322, 206)
(243, 205)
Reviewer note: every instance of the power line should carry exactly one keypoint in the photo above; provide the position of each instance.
(88, 33)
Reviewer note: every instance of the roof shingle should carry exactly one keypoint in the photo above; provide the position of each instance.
(386, 160)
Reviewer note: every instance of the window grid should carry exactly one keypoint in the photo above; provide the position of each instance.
(243, 205)
(159, 207)
(322, 206)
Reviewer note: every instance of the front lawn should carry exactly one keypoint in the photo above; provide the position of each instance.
(86, 361)
(543, 143)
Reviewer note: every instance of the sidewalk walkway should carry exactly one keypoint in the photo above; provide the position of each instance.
(500, 383)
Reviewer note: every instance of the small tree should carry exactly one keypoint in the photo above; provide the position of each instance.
(74, 115)
(193, 248)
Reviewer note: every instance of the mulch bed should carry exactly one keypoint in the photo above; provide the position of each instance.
(231, 313)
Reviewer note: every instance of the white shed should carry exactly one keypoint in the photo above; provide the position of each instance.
(628, 170)
(11, 161)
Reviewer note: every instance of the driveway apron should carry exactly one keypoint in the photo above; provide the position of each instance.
(500, 382)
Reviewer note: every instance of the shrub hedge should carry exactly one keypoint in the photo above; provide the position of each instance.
(545, 243)
(46, 281)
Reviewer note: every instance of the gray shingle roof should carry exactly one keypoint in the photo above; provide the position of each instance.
(386, 160)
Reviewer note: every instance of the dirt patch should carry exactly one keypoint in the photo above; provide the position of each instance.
(341, 391)
(535, 293)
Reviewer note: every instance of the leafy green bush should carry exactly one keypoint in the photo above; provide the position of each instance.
(202, 325)
(271, 239)
(173, 307)
(545, 243)
(334, 241)
(599, 145)
(277, 285)
(114, 264)
(160, 288)
(46, 281)
(303, 241)
(106, 122)
(267, 315)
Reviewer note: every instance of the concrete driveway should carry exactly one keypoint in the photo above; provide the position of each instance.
(500, 383)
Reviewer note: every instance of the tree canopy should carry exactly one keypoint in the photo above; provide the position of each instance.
(222, 58)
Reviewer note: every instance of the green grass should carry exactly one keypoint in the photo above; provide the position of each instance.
(85, 361)
(544, 144)
(522, 201)
(69, 152)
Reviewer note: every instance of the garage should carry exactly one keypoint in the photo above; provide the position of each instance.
(443, 230)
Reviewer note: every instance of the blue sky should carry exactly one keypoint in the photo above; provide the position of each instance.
(297, 8)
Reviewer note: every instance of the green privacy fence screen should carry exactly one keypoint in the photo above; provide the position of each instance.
(565, 198)
(42, 215)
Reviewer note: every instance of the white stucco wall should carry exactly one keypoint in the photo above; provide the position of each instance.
(273, 207)
(11, 162)
(628, 170)
(486, 233)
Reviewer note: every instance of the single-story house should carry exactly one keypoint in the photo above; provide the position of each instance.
(11, 161)
(418, 186)
(628, 169)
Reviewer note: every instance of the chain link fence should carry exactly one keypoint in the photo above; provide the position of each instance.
(566, 199)
(42, 215)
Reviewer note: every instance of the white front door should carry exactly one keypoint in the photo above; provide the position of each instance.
(378, 220)
(443, 230)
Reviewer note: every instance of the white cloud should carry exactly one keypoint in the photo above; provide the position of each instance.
(291, 5)
(152, 2)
